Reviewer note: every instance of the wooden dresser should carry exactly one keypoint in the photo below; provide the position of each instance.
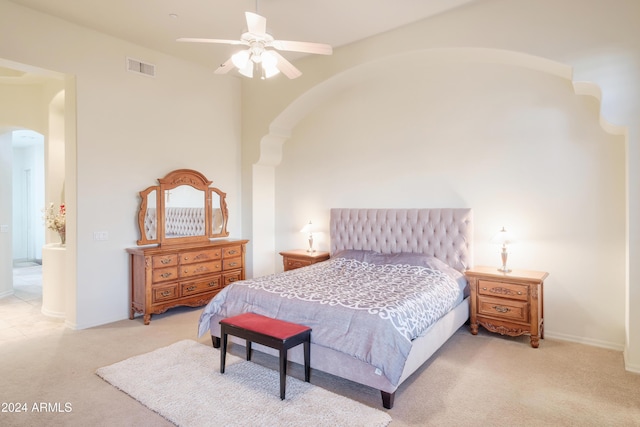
(507, 303)
(190, 274)
(301, 258)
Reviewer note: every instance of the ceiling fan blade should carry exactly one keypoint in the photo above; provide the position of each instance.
(196, 40)
(256, 24)
(285, 66)
(305, 47)
(225, 67)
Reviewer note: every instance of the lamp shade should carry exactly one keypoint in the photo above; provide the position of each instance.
(308, 228)
(503, 237)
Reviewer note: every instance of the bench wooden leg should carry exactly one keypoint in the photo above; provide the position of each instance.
(307, 357)
(223, 351)
(248, 350)
(283, 372)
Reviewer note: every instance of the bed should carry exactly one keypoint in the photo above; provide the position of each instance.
(362, 329)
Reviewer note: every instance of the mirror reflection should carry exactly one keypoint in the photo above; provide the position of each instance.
(217, 218)
(184, 212)
(151, 217)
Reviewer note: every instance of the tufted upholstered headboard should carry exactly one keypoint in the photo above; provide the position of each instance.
(446, 234)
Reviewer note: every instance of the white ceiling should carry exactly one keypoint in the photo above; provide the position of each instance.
(150, 23)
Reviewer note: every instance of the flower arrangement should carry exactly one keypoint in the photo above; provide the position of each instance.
(56, 221)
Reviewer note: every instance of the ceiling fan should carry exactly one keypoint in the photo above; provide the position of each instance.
(262, 56)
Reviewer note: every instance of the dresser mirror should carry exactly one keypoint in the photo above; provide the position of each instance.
(183, 208)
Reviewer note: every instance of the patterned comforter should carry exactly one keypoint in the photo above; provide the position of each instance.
(371, 312)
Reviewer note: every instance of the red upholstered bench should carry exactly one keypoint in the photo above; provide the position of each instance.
(273, 333)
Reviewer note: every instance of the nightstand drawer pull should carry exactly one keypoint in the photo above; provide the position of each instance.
(192, 288)
(500, 309)
(165, 293)
(165, 275)
(165, 261)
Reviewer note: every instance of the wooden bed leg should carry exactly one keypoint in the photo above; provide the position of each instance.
(387, 399)
(215, 341)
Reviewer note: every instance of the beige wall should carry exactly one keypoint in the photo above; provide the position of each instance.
(517, 146)
(122, 132)
(507, 125)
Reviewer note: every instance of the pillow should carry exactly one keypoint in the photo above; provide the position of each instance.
(410, 258)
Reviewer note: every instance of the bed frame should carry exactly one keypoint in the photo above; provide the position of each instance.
(443, 233)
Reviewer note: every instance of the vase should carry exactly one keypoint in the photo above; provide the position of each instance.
(63, 236)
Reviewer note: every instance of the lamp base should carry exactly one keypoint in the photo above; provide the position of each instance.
(504, 269)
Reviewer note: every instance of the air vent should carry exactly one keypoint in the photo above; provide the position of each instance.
(140, 67)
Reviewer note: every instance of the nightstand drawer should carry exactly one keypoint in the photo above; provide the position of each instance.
(503, 308)
(503, 289)
(291, 264)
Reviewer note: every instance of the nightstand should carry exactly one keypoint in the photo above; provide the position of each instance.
(507, 303)
(301, 258)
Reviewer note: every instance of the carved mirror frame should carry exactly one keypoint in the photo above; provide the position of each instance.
(153, 227)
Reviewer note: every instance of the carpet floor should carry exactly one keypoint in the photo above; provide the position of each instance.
(182, 383)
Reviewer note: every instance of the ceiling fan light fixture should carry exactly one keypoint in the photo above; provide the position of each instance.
(240, 59)
(257, 40)
(247, 70)
(270, 71)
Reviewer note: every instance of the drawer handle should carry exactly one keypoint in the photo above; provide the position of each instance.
(165, 261)
(212, 284)
(166, 293)
(233, 264)
(186, 258)
(165, 275)
(500, 309)
(192, 288)
(232, 279)
(484, 289)
(232, 252)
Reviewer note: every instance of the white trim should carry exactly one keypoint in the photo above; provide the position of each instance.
(582, 340)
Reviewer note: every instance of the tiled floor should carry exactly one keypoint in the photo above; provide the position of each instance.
(20, 315)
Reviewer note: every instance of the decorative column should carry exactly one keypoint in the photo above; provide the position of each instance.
(53, 280)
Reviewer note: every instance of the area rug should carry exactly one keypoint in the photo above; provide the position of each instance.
(182, 383)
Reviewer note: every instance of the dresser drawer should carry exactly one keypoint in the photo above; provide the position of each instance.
(228, 278)
(200, 256)
(210, 284)
(164, 274)
(232, 251)
(190, 270)
(503, 308)
(161, 261)
(164, 293)
(502, 289)
(231, 263)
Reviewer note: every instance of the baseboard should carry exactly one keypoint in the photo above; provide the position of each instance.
(6, 293)
(582, 340)
(630, 367)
